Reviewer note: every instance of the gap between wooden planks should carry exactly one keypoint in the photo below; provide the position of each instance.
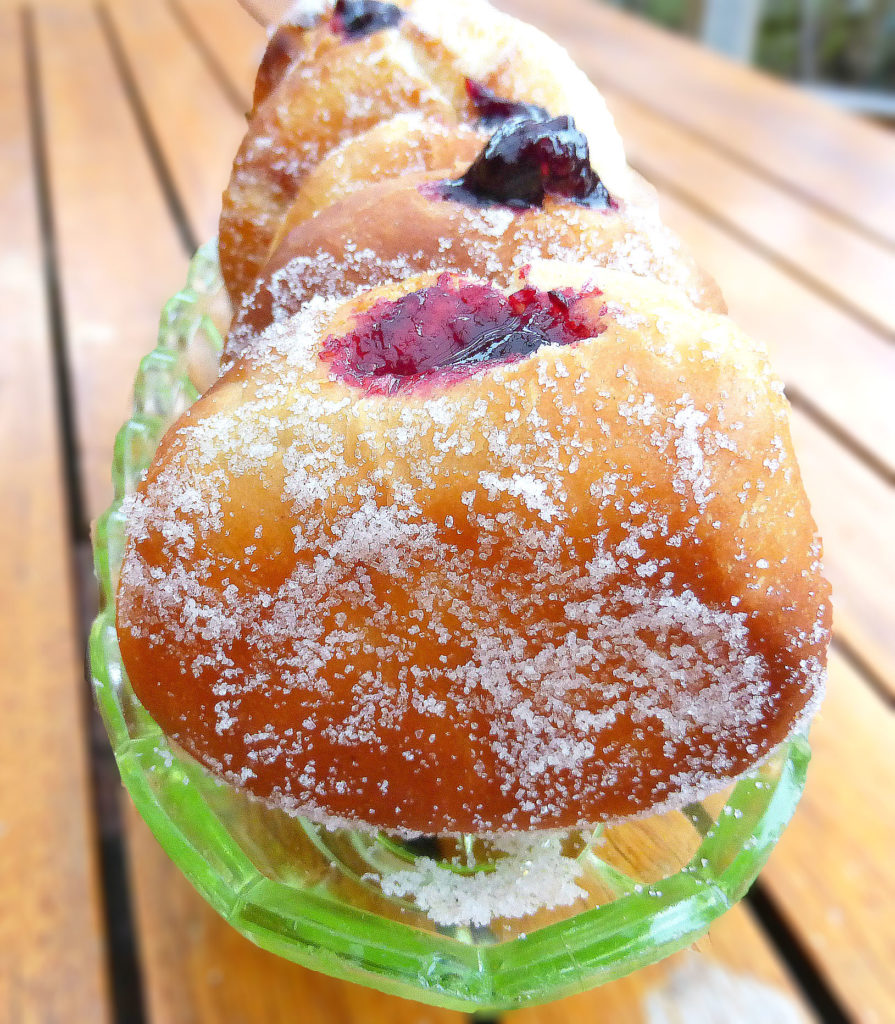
(119, 253)
(197, 128)
(838, 262)
(52, 942)
(836, 161)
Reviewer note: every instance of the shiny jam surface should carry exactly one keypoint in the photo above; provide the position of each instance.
(443, 333)
(524, 161)
(493, 110)
(355, 18)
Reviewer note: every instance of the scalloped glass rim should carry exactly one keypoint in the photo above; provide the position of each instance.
(300, 919)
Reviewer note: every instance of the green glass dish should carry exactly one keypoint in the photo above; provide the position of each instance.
(649, 887)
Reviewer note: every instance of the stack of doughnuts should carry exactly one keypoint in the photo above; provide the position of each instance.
(492, 520)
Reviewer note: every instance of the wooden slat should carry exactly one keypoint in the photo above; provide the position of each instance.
(196, 126)
(842, 163)
(235, 39)
(832, 871)
(52, 943)
(120, 255)
(855, 271)
(270, 11)
(855, 512)
(842, 367)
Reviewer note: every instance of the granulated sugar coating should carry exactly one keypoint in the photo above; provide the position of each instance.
(400, 227)
(535, 874)
(567, 588)
(320, 89)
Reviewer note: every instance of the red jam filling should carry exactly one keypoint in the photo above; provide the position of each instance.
(356, 18)
(493, 110)
(526, 160)
(447, 331)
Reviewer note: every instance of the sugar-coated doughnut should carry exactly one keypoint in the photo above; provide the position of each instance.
(292, 44)
(405, 144)
(408, 225)
(451, 557)
(345, 83)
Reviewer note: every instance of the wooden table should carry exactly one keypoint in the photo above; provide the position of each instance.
(117, 126)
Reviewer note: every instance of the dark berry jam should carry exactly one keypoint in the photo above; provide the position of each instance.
(454, 327)
(355, 18)
(526, 160)
(493, 110)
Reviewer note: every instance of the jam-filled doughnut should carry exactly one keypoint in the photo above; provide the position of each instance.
(454, 557)
(444, 60)
(530, 193)
(292, 44)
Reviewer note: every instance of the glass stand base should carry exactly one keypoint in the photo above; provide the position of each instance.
(329, 899)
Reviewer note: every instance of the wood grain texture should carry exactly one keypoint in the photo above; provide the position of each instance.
(120, 254)
(856, 272)
(52, 942)
(831, 873)
(855, 512)
(269, 11)
(838, 364)
(232, 36)
(197, 127)
(836, 160)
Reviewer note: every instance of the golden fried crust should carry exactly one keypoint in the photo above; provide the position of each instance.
(406, 144)
(288, 46)
(340, 87)
(298, 41)
(565, 589)
(396, 228)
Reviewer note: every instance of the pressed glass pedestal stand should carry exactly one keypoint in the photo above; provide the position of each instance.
(649, 887)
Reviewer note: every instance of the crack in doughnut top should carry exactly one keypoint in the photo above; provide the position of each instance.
(574, 586)
(527, 159)
(396, 228)
(420, 64)
(450, 326)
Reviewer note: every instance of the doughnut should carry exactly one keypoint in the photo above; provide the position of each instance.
(461, 557)
(405, 144)
(292, 43)
(444, 60)
(451, 219)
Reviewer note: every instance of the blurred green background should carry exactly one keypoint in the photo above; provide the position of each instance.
(844, 49)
